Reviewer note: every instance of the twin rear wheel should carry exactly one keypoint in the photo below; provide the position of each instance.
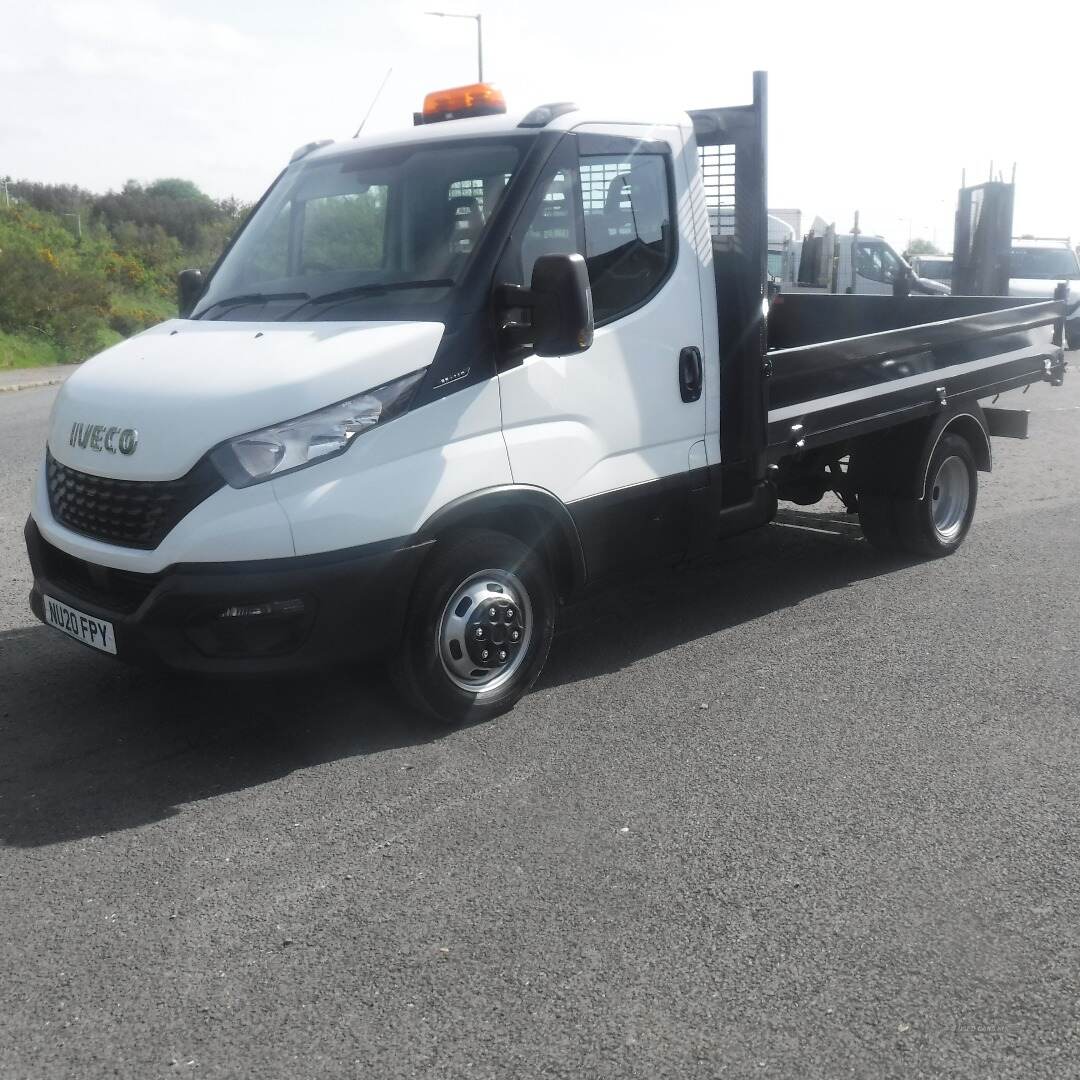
(936, 524)
(479, 627)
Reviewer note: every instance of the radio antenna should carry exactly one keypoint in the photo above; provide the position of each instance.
(386, 77)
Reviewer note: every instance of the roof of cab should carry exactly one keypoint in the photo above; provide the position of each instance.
(483, 126)
(1040, 242)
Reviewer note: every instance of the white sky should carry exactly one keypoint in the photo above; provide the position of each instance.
(873, 106)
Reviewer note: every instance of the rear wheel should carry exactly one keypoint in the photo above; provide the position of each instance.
(936, 524)
(479, 627)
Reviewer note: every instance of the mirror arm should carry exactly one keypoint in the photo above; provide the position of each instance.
(511, 300)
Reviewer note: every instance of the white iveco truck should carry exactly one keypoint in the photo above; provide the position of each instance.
(444, 380)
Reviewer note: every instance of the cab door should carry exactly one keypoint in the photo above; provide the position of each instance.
(616, 432)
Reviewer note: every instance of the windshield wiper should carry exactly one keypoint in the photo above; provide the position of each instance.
(373, 288)
(253, 298)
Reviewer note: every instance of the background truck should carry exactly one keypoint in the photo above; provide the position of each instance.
(854, 262)
(445, 380)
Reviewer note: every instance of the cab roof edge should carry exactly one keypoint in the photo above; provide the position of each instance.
(542, 115)
(303, 151)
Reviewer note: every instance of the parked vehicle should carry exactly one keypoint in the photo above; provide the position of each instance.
(933, 267)
(1037, 266)
(856, 263)
(785, 228)
(444, 380)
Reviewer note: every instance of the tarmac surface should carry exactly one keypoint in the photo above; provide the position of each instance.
(798, 810)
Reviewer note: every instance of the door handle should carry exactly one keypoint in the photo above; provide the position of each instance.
(690, 374)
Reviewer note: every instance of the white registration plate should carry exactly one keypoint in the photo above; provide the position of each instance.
(97, 633)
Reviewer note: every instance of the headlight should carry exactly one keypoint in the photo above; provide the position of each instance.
(273, 451)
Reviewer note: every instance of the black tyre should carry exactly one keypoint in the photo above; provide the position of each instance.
(937, 524)
(479, 627)
(878, 523)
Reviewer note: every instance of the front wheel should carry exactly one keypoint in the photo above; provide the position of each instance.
(936, 524)
(479, 627)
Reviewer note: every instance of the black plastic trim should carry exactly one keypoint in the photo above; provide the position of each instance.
(636, 525)
(355, 605)
(127, 513)
(504, 499)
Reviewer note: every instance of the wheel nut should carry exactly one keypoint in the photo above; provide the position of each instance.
(509, 612)
(514, 635)
(484, 654)
(502, 655)
(479, 631)
(492, 612)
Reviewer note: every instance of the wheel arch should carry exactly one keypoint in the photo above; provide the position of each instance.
(896, 461)
(532, 515)
(968, 422)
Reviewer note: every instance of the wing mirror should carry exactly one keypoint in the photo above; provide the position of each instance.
(554, 315)
(189, 287)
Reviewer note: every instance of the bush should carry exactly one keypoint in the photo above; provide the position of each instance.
(67, 305)
(133, 321)
(77, 293)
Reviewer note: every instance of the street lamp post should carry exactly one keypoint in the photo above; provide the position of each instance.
(479, 36)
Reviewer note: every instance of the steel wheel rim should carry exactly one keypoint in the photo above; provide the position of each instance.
(950, 496)
(484, 590)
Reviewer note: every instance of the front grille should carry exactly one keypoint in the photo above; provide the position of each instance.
(115, 590)
(131, 513)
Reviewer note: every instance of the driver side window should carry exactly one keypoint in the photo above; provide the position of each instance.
(629, 242)
(615, 209)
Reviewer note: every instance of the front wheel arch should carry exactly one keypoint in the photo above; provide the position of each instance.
(530, 514)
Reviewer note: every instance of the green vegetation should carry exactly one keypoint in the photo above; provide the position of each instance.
(79, 271)
(918, 246)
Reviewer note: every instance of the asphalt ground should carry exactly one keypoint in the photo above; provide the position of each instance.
(798, 811)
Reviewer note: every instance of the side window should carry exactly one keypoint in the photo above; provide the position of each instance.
(876, 262)
(629, 239)
(344, 232)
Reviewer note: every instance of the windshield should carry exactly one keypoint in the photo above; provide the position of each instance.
(1043, 263)
(379, 233)
(936, 269)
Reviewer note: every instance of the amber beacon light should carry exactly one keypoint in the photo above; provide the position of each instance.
(477, 99)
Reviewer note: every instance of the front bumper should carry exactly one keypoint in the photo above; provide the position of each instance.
(353, 606)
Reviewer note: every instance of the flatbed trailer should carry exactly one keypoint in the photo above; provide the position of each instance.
(891, 360)
(849, 393)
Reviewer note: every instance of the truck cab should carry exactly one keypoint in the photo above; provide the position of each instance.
(366, 366)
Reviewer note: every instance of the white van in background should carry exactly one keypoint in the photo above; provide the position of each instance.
(1037, 266)
(933, 267)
